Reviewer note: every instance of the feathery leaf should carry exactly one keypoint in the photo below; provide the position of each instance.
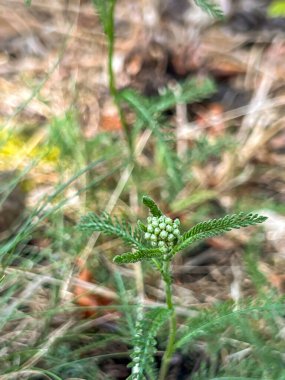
(106, 13)
(141, 226)
(212, 9)
(213, 227)
(144, 342)
(190, 91)
(143, 254)
(220, 315)
(104, 223)
(149, 113)
(153, 208)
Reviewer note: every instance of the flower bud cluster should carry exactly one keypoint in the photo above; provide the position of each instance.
(162, 232)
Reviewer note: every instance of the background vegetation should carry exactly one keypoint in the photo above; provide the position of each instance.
(98, 108)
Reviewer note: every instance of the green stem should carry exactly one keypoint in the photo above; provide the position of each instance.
(112, 80)
(172, 322)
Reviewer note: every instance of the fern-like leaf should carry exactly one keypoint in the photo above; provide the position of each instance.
(216, 318)
(144, 342)
(134, 257)
(215, 227)
(106, 13)
(153, 208)
(212, 9)
(111, 226)
(190, 91)
(142, 226)
(150, 111)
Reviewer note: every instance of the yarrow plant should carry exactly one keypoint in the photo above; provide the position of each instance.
(159, 241)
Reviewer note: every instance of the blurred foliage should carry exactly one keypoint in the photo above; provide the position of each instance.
(277, 8)
(15, 148)
(39, 261)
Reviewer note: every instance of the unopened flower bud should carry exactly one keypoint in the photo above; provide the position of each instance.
(154, 222)
(150, 228)
(153, 237)
(176, 232)
(162, 226)
(157, 231)
(147, 235)
(169, 228)
(168, 221)
(163, 235)
(170, 237)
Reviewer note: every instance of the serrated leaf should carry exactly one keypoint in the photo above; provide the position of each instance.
(111, 226)
(212, 9)
(153, 208)
(106, 13)
(149, 113)
(190, 91)
(144, 343)
(215, 227)
(142, 226)
(221, 314)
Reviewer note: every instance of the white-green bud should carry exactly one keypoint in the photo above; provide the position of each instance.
(164, 249)
(161, 244)
(161, 219)
(147, 235)
(153, 237)
(162, 226)
(168, 220)
(170, 237)
(154, 222)
(157, 231)
(149, 219)
(154, 243)
(177, 222)
(169, 228)
(150, 228)
(176, 232)
(163, 234)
